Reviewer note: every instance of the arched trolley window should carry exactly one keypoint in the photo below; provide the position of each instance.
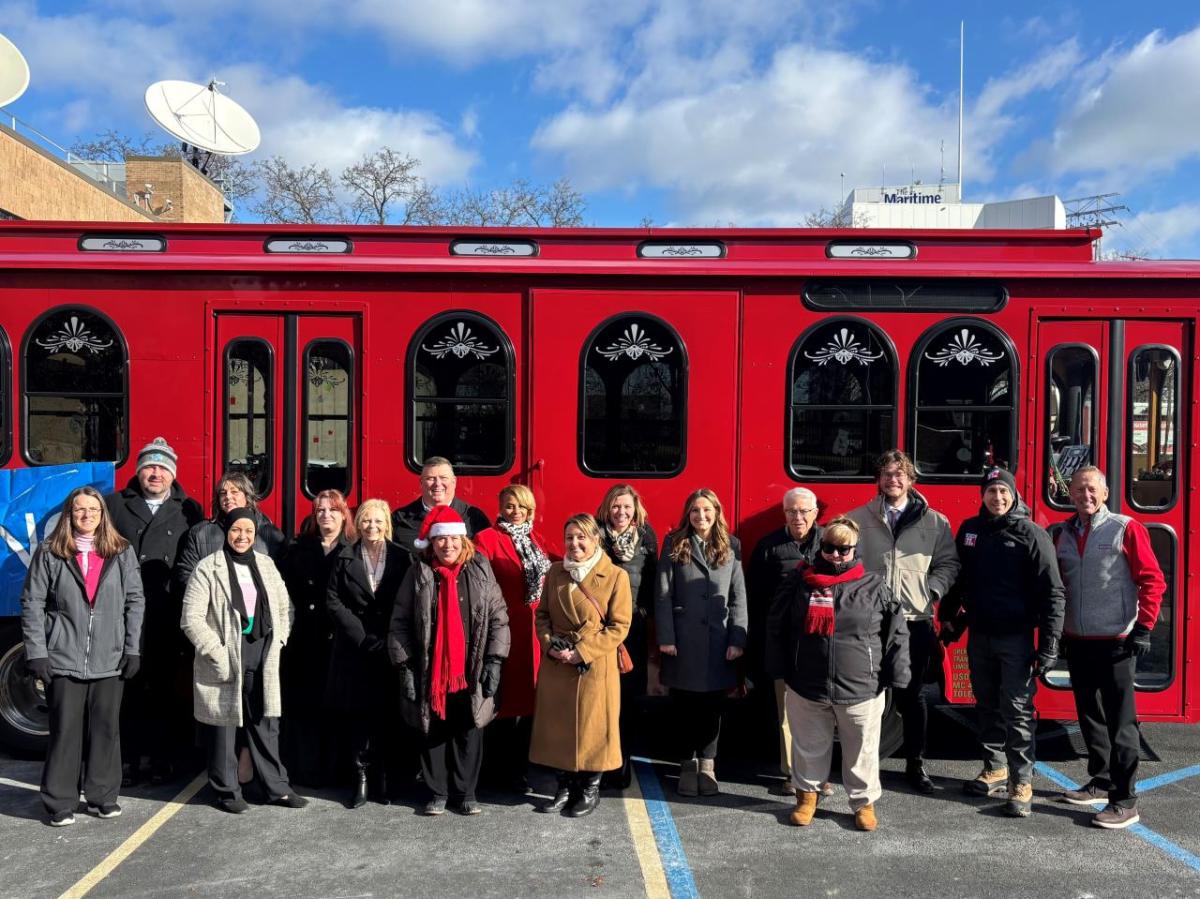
(462, 376)
(328, 416)
(250, 411)
(964, 389)
(75, 382)
(632, 410)
(1072, 371)
(842, 403)
(1153, 428)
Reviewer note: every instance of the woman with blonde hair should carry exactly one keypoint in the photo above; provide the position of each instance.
(583, 618)
(81, 617)
(361, 687)
(701, 620)
(519, 561)
(630, 541)
(836, 636)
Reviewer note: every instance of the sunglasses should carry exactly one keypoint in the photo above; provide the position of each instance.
(835, 550)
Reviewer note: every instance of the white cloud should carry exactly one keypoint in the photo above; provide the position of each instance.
(1137, 111)
(1161, 233)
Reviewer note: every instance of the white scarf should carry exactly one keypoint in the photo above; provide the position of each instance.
(579, 570)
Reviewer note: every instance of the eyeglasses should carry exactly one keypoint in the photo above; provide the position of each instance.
(798, 513)
(833, 549)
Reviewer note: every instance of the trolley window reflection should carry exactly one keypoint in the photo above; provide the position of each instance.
(328, 416)
(249, 411)
(1071, 429)
(1153, 427)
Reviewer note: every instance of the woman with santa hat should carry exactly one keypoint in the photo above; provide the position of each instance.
(449, 638)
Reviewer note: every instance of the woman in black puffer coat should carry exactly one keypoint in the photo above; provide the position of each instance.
(837, 638)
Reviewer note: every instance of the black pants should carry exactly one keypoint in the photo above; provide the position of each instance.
(911, 700)
(452, 753)
(258, 733)
(82, 713)
(698, 722)
(156, 719)
(1102, 681)
(1004, 686)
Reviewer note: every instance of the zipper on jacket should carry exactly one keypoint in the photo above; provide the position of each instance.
(87, 647)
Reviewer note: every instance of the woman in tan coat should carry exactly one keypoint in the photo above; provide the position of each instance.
(584, 616)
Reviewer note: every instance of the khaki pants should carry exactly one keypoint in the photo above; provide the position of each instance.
(857, 725)
(785, 732)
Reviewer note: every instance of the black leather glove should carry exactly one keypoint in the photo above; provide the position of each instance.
(950, 631)
(408, 684)
(39, 668)
(370, 643)
(561, 644)
(489, 681)
(1138, 641)
(1047, 653)
(130, 666)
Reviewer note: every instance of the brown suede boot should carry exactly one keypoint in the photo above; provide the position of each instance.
(806, 807)
(687, 778)
(864, 818)
(707, 778)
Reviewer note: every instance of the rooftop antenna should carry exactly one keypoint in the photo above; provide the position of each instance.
(14, 72)
(962, 31)
(203, 119)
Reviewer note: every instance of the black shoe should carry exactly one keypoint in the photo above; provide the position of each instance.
(917, 778)
(434, 807)
(62, 819)
(469, 807)
(291, 800)
(235, 805)
(588, 799)
(106, 810)
(561, 795)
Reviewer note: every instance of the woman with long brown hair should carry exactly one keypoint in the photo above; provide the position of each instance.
(81, 614)
(701, 620)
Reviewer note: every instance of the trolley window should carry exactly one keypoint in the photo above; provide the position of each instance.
(328, 416)
(250, 411)
(76, 389)
(1156, 670)
(842, 409)
(632, 412)
(1153, 428)
(965, 414)
(904, 295)
(462, 374)
(1071, 426)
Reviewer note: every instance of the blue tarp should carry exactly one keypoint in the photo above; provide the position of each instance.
(30, 500)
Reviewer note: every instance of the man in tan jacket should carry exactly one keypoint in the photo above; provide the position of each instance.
(912, 546)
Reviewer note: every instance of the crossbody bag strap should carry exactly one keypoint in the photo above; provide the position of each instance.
(595, 604)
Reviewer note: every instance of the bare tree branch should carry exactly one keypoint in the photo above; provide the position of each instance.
(305, 195)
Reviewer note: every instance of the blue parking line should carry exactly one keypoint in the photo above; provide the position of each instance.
(670, 849)
(1168, 778)
(1141, 830)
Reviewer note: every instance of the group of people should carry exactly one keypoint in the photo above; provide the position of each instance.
(416, 629)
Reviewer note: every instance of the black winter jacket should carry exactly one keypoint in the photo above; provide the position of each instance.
(406, 521)
(775, 557)
(208, 536)
(867, 653)
(1009, 582)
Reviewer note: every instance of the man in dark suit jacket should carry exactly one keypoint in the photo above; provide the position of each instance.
(437, 489)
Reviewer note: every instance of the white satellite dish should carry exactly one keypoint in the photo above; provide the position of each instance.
(202, 117)
(14, 72)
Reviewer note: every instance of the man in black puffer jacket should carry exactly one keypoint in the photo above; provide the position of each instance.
(1009, 589)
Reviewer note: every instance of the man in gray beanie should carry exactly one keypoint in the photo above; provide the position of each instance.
(154, 513)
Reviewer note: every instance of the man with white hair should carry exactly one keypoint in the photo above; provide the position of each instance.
(774, 557)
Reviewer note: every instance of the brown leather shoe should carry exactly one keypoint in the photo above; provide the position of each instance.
(806, 807)
(864, 818)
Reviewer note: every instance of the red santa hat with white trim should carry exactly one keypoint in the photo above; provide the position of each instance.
(442, 521)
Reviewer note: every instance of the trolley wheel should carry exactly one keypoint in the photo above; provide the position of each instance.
(24, 718)
(891, 734)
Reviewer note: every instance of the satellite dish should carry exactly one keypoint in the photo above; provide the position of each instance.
(202, 117)
(14, 72)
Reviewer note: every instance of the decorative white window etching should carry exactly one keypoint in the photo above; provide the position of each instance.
(844, 348)
(74, 336)
(325, 372)
(461, 341)
(635, 344)
(964, 348)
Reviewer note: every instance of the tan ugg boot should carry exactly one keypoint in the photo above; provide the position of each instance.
(707, 778)
(687, 778)
(864, 818)
(806, 807)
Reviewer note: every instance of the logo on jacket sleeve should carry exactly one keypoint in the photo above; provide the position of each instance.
(969, 539)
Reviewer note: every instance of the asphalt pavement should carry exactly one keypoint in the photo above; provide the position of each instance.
(644, 842)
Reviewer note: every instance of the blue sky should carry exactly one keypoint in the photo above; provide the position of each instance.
(692, 113)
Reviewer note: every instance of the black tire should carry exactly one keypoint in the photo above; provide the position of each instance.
(891, 734)
(24, 720)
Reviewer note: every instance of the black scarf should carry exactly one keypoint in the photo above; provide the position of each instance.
(260, 625)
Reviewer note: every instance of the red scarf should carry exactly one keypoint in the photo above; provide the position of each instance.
(819, 618)
(449, 642)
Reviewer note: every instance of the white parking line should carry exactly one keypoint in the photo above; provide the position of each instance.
(9, 782)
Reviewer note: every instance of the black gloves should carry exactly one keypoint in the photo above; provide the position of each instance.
(561, 644)
(1047, 653)
(371, 643)
(130, 666)
(950, 631)
(39, 668)
(489, 681)
(408, 684)
(1138, 641)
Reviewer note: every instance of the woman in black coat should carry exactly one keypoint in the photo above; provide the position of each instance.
(362, 589)
(628, 539)
(308, 744)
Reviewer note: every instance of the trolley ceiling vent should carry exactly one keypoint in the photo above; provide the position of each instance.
(844, 249)
(122, 243)
(317, 245)
(474, 247)
(655, 249)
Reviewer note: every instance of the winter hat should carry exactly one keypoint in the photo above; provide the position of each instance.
(999, 475)
(236, 515)
(442, 521)
(157, 452)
